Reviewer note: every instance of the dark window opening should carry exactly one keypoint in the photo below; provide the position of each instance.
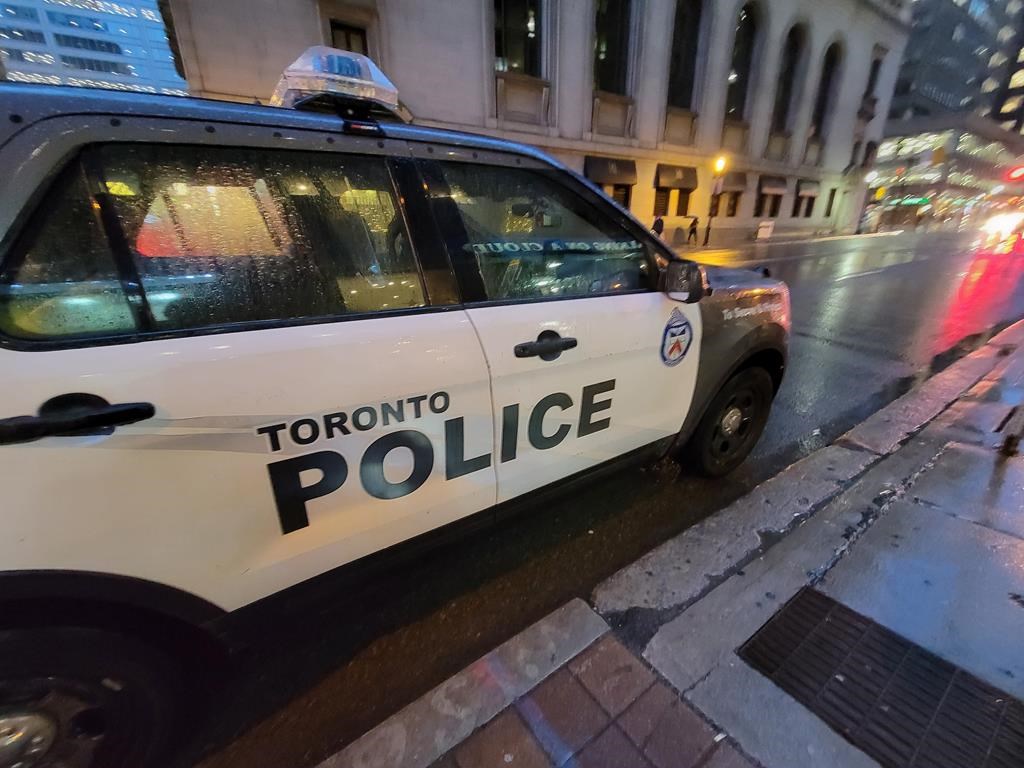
(797, 204)
(620, 193)
(611, 46)
(732, 203)
(97, 65)
(809, 209)
(87, 44)
(349, 38)
(826, 87)
(517, 36)
(787, 82)
(683, 203)
(831, 202)
(738, 79)
(876, 68)
(661, 195)
(716, 201)
(768, 205)
(17, 35)
(682, 71)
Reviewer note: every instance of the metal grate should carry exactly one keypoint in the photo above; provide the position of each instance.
(896, 701)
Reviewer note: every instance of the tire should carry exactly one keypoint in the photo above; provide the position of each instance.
(93, 699)
(713, 451)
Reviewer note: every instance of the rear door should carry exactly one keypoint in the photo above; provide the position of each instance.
(588, 360)
(307, 362)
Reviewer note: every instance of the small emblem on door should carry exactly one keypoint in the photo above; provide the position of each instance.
(678, 336)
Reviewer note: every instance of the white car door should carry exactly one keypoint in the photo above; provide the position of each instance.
(316, 395)
(588, 360)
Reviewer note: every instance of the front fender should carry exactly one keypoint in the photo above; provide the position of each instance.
(734, 337)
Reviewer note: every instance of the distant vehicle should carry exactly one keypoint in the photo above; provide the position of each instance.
(246, 350)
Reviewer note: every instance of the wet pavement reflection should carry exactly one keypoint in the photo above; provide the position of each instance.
(871, 315)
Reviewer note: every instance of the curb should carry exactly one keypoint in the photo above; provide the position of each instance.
(435, 723)
(704, 555)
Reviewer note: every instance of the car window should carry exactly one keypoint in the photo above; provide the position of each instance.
(533, 237)
(218, 236)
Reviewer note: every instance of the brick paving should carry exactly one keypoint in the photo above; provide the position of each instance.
(604, 709)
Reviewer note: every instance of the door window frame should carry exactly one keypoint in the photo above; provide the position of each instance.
(449, 221)
(59, 156)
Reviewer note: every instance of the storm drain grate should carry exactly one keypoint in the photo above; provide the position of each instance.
(902, 705)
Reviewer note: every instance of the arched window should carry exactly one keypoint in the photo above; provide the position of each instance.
(791, 56)
(826, 88)
(738, 81)
(683, 65)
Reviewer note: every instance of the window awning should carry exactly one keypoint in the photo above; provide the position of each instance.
(609, 170)
(734, 181)
(773, 185)
(675, 176)
(805, 188)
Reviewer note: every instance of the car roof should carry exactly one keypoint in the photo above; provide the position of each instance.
(25, 104)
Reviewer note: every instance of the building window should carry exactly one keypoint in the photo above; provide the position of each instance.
(831, 202)
(349, 38)
(768, 205)
(787, 79)
(797, 205)
(732, 202)
(682, 68)
(620, 193)
(809, 207)
(876, 69)
(661, 195)
(87, 44)
(683, 203)
(96, 65)
(21, 35)
(76, 22)
(715, 204)
(19, 12)
(517, 36)
(826, 89)
(611, 46)
(28, 57)
(742, 60)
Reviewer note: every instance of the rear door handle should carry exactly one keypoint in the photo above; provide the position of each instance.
(548, 346)
(73, 415)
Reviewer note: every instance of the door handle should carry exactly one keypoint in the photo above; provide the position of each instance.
(548, 346)
(73, 415)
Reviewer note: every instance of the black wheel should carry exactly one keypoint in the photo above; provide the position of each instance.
(731, 425)
(84, 698)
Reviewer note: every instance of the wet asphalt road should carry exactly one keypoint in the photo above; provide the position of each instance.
(870, 316)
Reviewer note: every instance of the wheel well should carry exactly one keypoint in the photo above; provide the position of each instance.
(772, 360)
(198, 650)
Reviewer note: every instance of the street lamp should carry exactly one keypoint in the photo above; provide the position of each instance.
(716, 192)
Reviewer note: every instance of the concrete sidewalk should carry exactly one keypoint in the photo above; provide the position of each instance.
(912, 520)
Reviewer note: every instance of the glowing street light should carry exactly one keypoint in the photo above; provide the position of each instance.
(719, 166)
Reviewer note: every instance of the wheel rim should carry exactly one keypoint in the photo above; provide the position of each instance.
(735, 426)
(50, 723)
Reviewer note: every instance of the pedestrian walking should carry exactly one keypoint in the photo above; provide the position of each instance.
(659, 226)
(692, 235)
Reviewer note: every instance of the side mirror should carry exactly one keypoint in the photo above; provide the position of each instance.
(685, 281)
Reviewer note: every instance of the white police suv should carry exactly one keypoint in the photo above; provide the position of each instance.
(243, 347)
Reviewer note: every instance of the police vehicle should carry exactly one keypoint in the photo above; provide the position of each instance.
(245, 348)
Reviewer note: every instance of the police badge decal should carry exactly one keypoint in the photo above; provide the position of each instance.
(678, 336)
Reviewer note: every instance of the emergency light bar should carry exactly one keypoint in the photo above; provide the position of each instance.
(329, 79)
